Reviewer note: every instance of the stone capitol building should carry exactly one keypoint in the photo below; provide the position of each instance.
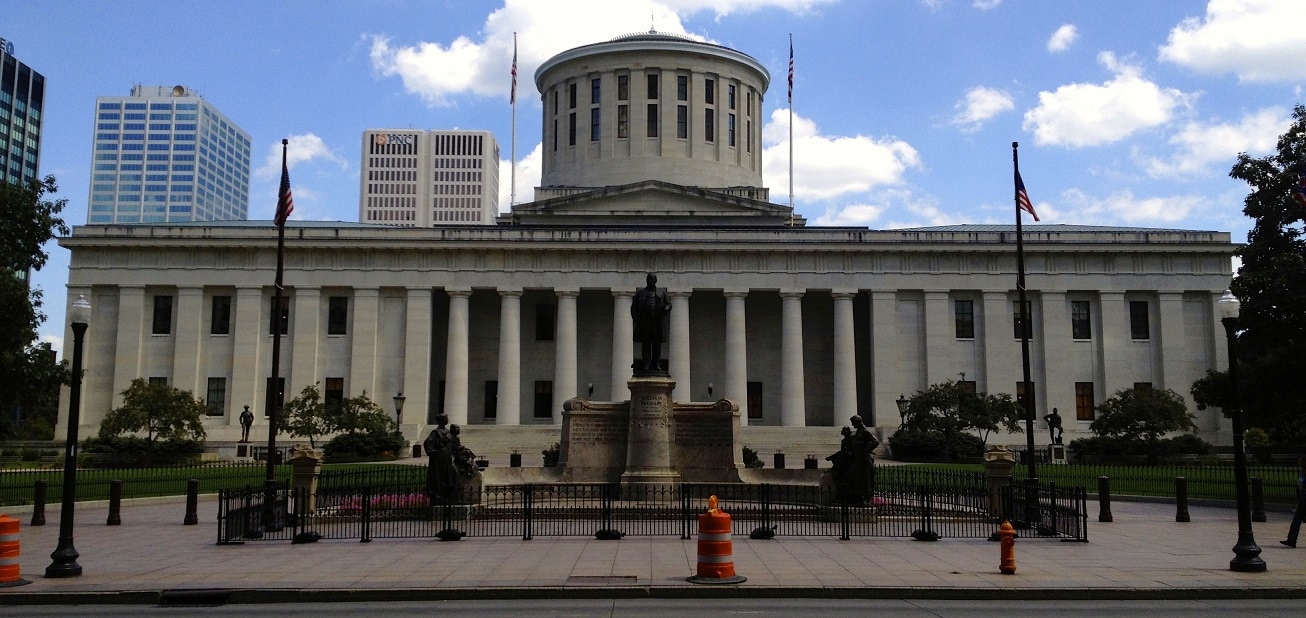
(652, 163)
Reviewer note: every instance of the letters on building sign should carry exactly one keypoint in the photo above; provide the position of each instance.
(382, 139)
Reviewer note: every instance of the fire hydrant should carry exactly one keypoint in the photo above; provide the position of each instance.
(1007, 536)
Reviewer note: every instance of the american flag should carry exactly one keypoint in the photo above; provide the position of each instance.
(285, 203)
(1299, 191)
(791, 70)
(1022, 198)
(512, 98)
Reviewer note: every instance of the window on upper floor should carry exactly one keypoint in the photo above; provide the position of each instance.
(964, 318)
(1081, 325)
(1021, 322)
(1139, 326)
(162, 322)
(220, 317)
(338, 315)
(1084, 408)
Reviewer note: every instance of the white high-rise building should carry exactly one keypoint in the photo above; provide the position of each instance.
(428, 178)
(165, 155)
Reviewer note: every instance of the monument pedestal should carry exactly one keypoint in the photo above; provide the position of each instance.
(648, 442)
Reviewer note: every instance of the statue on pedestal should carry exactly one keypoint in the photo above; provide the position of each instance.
(650, 309)
(853, 467)
(1054, 426)
(441, 471)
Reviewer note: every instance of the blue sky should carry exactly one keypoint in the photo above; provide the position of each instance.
(1128, 112)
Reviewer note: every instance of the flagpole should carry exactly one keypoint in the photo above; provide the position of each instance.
(274, 399)
(791, 129)
(1025, 320)
(512, 161)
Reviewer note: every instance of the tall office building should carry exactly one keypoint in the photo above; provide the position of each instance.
(22, 95)
(164, 155)
(428, 178)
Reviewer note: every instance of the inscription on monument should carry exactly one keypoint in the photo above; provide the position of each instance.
(597, 429)
(703, 431)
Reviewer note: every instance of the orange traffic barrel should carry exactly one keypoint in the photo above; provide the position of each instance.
(9, 553)
(716, 563)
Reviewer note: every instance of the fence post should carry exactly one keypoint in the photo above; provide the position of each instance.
(1033, 507)
(926, 500)
(366, 533)
(526, 500)
(1181, 499)
(1104, 500)
(1258, 499)
(192, 503)
(39, 492)
(115, 503)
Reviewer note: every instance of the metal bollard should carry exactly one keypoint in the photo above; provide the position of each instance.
(779, 460)
(1258, 499)
(115, 504)
(1181, 499)
(39, 493)
(1104, 500)
(192, 503)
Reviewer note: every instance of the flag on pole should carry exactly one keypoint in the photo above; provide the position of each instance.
(285, 203)
(791, 70)
(1299, 191)
(1022, 198)
(512, 98)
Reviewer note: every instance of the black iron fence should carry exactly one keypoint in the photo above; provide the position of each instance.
(393, 504)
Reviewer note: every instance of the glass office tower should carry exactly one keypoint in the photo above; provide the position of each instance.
(22, 95)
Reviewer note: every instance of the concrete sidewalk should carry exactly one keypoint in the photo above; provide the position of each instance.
(153, 558)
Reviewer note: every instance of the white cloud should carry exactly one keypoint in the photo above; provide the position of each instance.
(528, 175)
(1061, 39)
(852, 214)
(980, 105)
(1200, 145)
(1123, 207)
(830, 166)
(1258, 40)
(437, 72)
(985, 5)
(301, 149)
(1077, 115)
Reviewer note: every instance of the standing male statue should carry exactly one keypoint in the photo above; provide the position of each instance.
(650, 309)
(441, 472)
(246, 421)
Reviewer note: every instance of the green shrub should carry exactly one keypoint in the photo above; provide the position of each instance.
(751, 460)
(1101, 449)
(916, 445)
(1186, 444)
(373, 446)
(552, 455)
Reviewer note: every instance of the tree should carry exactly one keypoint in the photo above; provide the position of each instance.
(163, 412)
(1272, 344)
(359, 414)
(1143, 415)
(951, 409)
(306, 416)
(30, 379)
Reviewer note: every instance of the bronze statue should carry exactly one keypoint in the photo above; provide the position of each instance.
(1054, 426)
(650, 309)
(246, 421)
(854, 465)
(441, 472)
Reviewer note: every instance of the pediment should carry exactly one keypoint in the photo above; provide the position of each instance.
(651, 203)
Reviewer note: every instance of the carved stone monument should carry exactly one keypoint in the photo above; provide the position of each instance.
(648, 441)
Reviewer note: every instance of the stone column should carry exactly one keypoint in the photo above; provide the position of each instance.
(131, 331)
(417, 354)
(249, 332)
(1056, 384)
(186, 354)
(1114, 345)
(793, 409)
(362, 343)
(736, 386)
(623, 345)
(306, 328)
(564, 366)
(455, 372)
(509, 410)
(940, 333)
(1001, 349)
(1170, 314)
(845, 356)
(648, 443)
(888, 383)
(678, 348)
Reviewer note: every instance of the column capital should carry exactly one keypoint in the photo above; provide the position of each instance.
(840, 294)
(367, 291)
(884, 294)
(792, 293)
(679, 293)
(306, 289)
(458, 292)
(1114, 294)
(508, 293)
(736, 294)
(566, 293)
(135, 287)
(936, 294)
(622, 293)
(190, 290)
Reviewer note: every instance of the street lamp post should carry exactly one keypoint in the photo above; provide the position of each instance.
(1246, 552)
(399, 408)
(903, 405)
(64, 558)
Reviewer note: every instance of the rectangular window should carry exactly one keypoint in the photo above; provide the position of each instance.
(1139, 328)
(709, 91)
(623, 121)
(162, 315)
(216, 401)
(682, 87)
(623, 87)
(1084, 401)
(543, 399)
(158, 381)
(709, 125)
(571, 129)
(594, 124)
(220, 321)
(544, 319)
(755, 401)
(337, 315)
(730, 131)
(964, 314)
(1021, 323)
(1081, 327)
(682, 121)
(1142, 388)
(652, 129)
(730, 96)
(594, 91)
(276, 395)
(571, 96)
(967, 386)
(1020, 393)
(280, 316)
(652, 87)
(491, 399)
(333, 392)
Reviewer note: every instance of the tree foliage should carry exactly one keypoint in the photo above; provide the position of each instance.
(163, 412)
(307, 416)
(1272, 343)
(950, 409)
(1145, 415)
(29, 377)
